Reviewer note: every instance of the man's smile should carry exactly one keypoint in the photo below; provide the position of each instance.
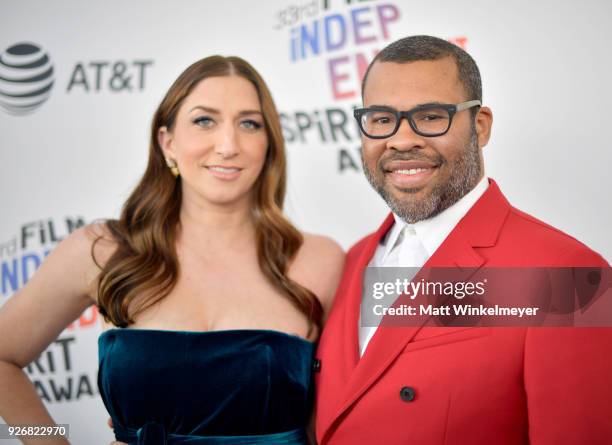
(409, 174)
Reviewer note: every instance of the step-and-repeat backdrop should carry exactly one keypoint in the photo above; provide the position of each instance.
(79, 82)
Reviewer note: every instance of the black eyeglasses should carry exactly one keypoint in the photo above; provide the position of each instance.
(426, 120)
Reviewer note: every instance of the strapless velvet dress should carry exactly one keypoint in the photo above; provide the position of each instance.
(217, 387)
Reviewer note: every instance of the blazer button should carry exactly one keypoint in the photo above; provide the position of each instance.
(407, 394)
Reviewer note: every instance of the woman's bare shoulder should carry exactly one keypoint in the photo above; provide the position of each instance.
(93, 241)
(88, 249)
(318, 266)
(101, 241)
(321, 245)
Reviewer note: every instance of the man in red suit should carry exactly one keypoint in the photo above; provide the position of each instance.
(423, 130)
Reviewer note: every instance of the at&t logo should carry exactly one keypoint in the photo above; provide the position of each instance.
(26, 78)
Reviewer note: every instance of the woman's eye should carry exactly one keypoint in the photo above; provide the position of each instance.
(250, 124)
(204, 121)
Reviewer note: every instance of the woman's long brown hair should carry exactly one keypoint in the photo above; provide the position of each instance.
(144, 268)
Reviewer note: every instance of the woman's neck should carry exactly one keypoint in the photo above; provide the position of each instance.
(211, 226)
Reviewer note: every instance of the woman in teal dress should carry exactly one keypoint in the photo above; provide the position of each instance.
(212, 299)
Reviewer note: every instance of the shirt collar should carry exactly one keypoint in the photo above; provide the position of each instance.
(433, 231)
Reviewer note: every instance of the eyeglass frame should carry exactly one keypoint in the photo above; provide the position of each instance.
(452, 109)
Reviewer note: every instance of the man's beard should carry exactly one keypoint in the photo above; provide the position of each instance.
(465, 172)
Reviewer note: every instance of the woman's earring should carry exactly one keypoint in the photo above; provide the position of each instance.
(171, 163)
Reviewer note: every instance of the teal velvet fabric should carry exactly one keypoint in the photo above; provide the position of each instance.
(216, 387)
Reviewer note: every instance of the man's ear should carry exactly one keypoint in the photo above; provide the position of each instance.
(484, 121)
(165, 139)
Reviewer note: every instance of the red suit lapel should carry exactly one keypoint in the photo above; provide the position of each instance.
(479, 228)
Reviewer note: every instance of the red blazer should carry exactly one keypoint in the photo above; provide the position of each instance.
(466, 386)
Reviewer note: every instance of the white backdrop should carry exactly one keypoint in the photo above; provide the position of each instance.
(545, 68)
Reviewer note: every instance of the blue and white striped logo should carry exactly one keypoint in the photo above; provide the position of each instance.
(26, 78)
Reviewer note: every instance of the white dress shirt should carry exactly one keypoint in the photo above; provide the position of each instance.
(411, 245)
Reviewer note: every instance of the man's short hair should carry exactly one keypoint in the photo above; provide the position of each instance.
(415, 48)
